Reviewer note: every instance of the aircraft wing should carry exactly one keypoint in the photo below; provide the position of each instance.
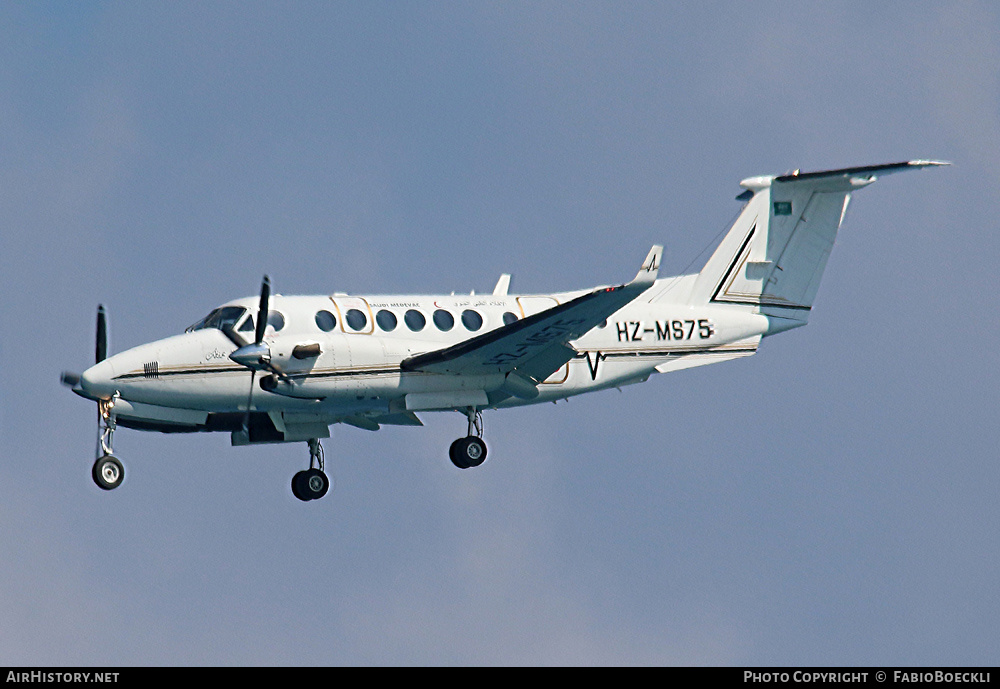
(536, 346)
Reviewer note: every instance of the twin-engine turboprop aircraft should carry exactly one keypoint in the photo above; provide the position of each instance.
(279, 369)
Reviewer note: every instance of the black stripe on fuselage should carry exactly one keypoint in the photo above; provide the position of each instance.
(365, 373)
(732, 266)
(748, 302)
(624, 354)
(239, 369)
(181, 372)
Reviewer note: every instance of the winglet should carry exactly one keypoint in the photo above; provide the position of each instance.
(651, 266)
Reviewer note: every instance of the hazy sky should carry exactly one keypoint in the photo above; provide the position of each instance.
(830, 501)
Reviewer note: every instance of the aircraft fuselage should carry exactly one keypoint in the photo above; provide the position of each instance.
(356, 370)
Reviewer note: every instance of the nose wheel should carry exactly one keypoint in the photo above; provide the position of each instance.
(108, 471)
(470, 451)
(312, 483)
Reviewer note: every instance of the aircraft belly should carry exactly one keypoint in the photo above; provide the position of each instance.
(157, 414)
(382, 390)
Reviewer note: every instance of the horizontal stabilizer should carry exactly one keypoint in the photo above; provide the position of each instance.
(862, 172)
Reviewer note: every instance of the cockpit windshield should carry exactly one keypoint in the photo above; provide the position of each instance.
(222, 317)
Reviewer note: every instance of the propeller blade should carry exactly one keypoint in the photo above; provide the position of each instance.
(69, 379)
(265, 294)
(101, 351)
(276, 371)
(246, 419)
(234, 336)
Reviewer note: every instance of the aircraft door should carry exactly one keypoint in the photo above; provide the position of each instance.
(354, 315)
(532, 305)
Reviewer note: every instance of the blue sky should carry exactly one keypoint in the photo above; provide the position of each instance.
(829, 501)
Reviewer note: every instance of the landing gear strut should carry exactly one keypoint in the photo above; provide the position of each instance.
(108, 472)
(470, 451)
(313, 483)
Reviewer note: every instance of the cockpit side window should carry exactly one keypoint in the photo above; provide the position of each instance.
(219, 318)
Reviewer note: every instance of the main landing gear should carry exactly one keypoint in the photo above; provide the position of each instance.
(312, 483)
(108, 472)
(470, 451)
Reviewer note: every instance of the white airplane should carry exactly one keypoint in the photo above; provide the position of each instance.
(369, 361)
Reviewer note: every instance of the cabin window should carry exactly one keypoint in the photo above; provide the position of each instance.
(356, 319)
(509, 318)
(325, 321)
(386, 320)
(471, 320)
(414, 320)
(275, 320)
(444, 320)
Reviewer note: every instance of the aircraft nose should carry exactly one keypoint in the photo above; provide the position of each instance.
(97, 380)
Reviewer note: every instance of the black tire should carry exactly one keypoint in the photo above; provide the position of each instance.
(455, 453)
(108, 472)
(311, 484)
(298, 483)
(468, 452)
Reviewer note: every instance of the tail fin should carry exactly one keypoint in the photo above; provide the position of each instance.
(774, 255)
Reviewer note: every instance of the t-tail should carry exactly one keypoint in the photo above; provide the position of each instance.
(773, 257)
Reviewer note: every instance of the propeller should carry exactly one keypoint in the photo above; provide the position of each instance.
(265, 294)
(101, 350)
(255, 355)
(70, 378)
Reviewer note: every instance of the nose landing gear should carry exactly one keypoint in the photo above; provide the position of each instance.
(470, 451)
(312, 483)
(108, 472)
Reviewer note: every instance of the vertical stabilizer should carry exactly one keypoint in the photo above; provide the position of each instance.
(774, 255)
